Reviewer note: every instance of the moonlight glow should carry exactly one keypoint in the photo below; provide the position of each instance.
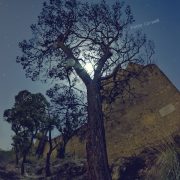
(89, 68)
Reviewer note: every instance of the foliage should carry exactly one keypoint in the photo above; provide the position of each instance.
(27, 118)
(73, 31)
(70, 109)
(167, 164)
(27, 115)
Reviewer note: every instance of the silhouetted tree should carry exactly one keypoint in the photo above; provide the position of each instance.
(16, 148)
(10, 116)
(70, 109)
(49, 126)
(71, 34)
(27, 118)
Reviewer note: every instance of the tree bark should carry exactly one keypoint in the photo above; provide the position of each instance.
(61, 151)
(48, 171)
(96, 144)
(17, 157)
(48, 157)
(22, 164)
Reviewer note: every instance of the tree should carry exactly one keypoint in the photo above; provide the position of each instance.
(27, 119)
(66, 113)
(71, 34)
(70, 110)
(49, 126)
(9, 116)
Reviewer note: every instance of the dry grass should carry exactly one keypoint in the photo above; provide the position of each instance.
(167, 164)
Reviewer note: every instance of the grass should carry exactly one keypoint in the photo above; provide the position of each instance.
(167, 163)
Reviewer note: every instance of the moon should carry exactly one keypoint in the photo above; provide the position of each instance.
(89, 68)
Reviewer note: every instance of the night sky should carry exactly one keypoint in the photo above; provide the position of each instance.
(159, 19)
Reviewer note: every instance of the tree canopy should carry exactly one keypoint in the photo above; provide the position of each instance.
(74, 33)
(27, 117)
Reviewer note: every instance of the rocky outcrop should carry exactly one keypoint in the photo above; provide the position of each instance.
(144, 120)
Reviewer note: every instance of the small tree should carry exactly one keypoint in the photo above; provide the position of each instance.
(26, 118)
(9, 116)
(16, 148)
(71, 34)
(70, 109)
(48, 127)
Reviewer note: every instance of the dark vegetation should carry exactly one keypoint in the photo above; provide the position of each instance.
(131, 169)
(157, 163)
(32, 115)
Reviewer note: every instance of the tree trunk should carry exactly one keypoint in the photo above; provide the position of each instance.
(17, 158)
(61, 152)
(48, 157)
(22, 164)
(41, 146)
(96, 144)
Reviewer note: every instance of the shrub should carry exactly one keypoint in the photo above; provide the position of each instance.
(167, 163)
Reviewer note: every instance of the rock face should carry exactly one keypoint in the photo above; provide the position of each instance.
(135, 123)
(42, 146)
